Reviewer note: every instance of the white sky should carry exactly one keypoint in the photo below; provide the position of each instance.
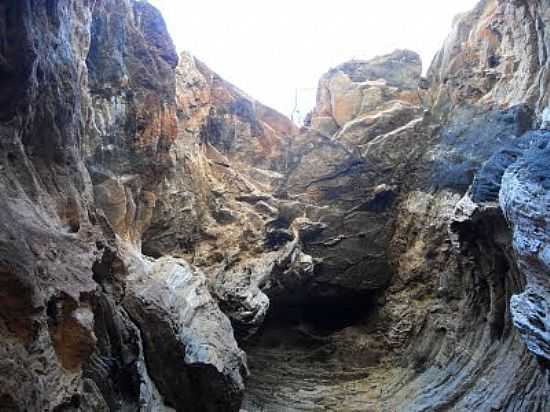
(270, 48)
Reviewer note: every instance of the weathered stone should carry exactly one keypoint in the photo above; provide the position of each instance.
(189, 346)
(391, 255)
(358, 87)
(83, 151)
(524, 197)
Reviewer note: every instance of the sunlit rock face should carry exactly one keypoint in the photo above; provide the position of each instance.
(496, 62)
(216, 207)
(353, 89)
(156, 223)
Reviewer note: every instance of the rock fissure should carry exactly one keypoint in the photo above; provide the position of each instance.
(392, 254)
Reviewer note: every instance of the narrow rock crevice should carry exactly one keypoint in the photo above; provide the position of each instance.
(168, 243)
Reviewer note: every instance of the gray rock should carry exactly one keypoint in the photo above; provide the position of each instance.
(524, 197)
(189, 346)
(391, 255)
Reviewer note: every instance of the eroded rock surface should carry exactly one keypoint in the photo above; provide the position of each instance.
(189, 343)
(524, 199)
(87, 125)
(455, 271)
(392, 254)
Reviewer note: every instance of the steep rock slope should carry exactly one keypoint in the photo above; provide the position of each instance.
(390, 255)
(456, 272)
(88, 118)
(216, 208)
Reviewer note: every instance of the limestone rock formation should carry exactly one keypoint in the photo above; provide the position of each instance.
(392, 254)
(455, 287)
(358, 87)
(524, 199)
(349, 180)
(88, 118)
(200, 366)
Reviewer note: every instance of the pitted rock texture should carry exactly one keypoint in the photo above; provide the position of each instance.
(447, 307)
(524, 199)
(392, 254)
(87, 123)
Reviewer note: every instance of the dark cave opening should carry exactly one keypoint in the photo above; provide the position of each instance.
(312, 345)
(322, 317)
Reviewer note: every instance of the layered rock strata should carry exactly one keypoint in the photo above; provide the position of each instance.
(88, 119)
(392, 254)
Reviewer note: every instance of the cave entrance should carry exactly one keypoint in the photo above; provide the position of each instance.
(324, 316)
(308, 351)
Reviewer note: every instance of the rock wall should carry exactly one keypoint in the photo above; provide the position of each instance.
(88, 120)
(392, 254)
(427, 164)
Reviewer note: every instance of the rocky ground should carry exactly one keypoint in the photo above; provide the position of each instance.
(169, 243)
